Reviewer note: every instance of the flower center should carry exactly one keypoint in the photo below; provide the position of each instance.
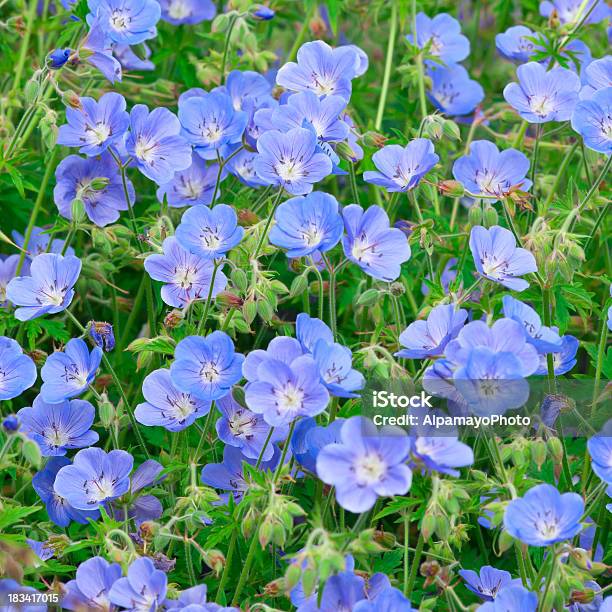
(289, 170)
(362, 248)
(210, 372)
(323, 85)
(55, 437)
(145, 150)
(185, 276)
(312, 236)
(179, 10)
(542, 105)
(191, 189)
(100, 132)
(290, 398)
(242, 424)
(120, 19)
(547, 525)
(370, 469)
(53, 295)
(183, 406)
(210, 239)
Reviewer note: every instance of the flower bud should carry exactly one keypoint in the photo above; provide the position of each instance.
(247, 218)
(102, 335)
(57, 58)
(556, 449)
(229, 299)
(71, 98)
(262, 13)
(451, 130)
(489, 215)
(77, 210)
(10, 424)
(106, 411)
(344, 151)
(174, 318)
(368, 297)
(452, 189)
(373, 139)
(433, 126)
(475, 215)
(39, 357)
(538, 452)
(31, 452)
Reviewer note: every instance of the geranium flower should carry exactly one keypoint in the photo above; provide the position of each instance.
(144, 588)
(441, 37)
(126, 22)
(592, 120)
(189, 12)
(452, 90)
(488, 582)
(17, 371)
(89, 590)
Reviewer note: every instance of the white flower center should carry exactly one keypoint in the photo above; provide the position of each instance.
(55, 437)
(324, 85)
(120, 19)
(542, 105)
(179, 10)
(182, 406)
(313, 235)
(144, 149)
(289, 170)
(99, 133)
(547, 525)
(242, 424)
(209, 239)
(185, 276)
(210, 372)
(53, 295)
(363, 249)
(289, 399)
(191, 189)
(370, 469)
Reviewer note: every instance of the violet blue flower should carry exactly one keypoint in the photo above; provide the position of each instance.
(59, 427)
(94, 181)
(309, 438)
(242, 166)
(186, 277)
(94, 478)
(429, 338)
(437, 453)
(246, 430)
(543, 516)
(130, 61)
(366, 464)
(291, 160)
(17, 371)
(8, 269)
(592, 120)
(155, 143)
(343, 591)
(59, 509)
(600, 449)
(573, 11)
(598, 75)
(209, 232)
(58, 58)
(321, 69)
(69, 372)
(43, 550)
(244, 86)
(517, 43)
(39, 244)
(102, 335)
(188, 12)
(10, 587)
(48, 289)
(322, 114)
(127, 22)
(306, 224)
(210, 123)
(545, 339)
(504, 336)
(497, 257)
(488, 582)
(95, 126)
(402, 168)
(229, 475)
(142, 507)
(540, 95)
(206, 367)
(192, 186)
(93, 581)
(99, 48)
(440, 36)
(335, 363)
(166, 406)
(389, 600)
(144, 588)
(378, 249)
(514, 597)
(452, 91)
(485, 171)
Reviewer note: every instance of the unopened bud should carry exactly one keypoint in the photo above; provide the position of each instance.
(174, 318)
(538, 452)
(452, 189)
(556, 449)
(247, 218)
(490, 216)
(71, 98)
(374, 139)
(344, 151)
(475, 215)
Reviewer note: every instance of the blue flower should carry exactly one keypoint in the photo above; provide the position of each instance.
(321, 69)
(127, 22)
(564, 359)
(144, 588)
(195, 185)
(263, 13)
(242, 166)
(17, 371)
(210, 123)
(130, 61)
(439, 453)
(246, 89)
(59, 427)
(48, 289)
(367, 464)
(505, 336)
(89, 590)
(283, 383)
(99, 50)
(540, 95)
(246, 430)
(388, 600)
(591, 119)
(229, 475)
(209, 232)
(343, 591)
(10, 424)
(67, 374)
(485, 171)
(429, 338)
(58, 58)
(94, 181)
(309, 438)
(517, 43)
(543, 516)
(489, 583)
(573, 11)
(309, 330)
(514, 597)
(102, 335)
(498, 259)
(189, 12)
(8, 269)
(194, 600)
(306, 224)
(94, 478)
(43, 550)
(452, 90)
(166, 406)
(39, 244)
(545, 339)
(291, 160)
(402, 168)
(598, 75)
(307, 109)
(441, 37)
(59, 509)
(186, 276)
(155, 143)
(206, 367)
(378, 249)
(141, 507)
(95, 126)
(600, 449)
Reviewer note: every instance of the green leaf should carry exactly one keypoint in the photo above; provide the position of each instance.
(10, 516)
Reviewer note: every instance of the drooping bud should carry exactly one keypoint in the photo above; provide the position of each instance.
(452, 189)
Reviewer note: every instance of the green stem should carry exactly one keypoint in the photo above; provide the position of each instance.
(601, 351)
(406, 549)
(520, 135)
(228, 562)
(202, 321)
(226, 47)
(387, 72)
(419, 62)
(560, 174)
(37, 207)
(602, 215)
(353, 178)
(415, 565)
(279, 195)
(246, 568)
